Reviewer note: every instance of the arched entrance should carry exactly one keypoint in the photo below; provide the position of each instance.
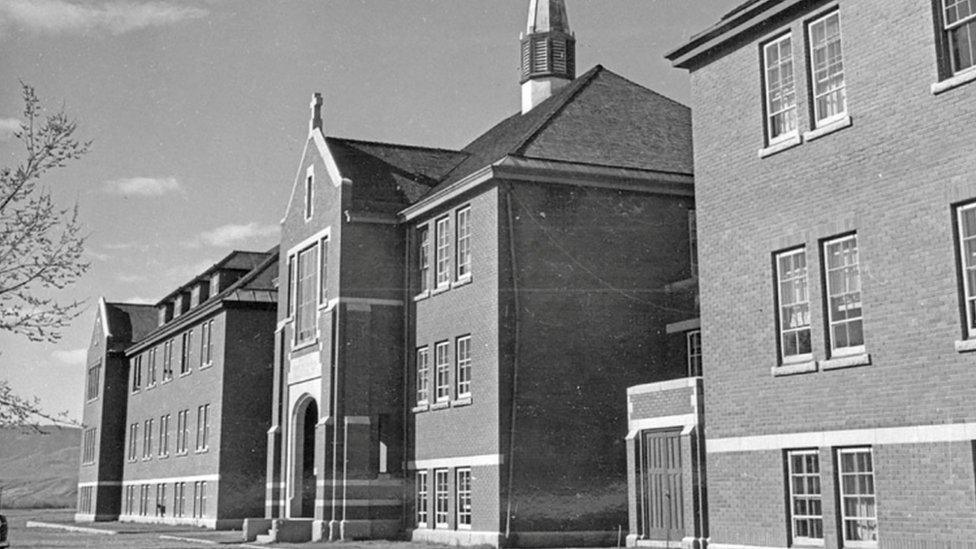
(303, 458)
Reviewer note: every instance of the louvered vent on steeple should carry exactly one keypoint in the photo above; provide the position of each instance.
(548, 51)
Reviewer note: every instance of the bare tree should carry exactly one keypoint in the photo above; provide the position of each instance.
(41, 244)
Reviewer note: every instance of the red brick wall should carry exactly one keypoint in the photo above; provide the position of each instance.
(892, 177)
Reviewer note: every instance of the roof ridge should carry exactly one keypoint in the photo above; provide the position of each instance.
(580, 84)
(645, 88)
(388, 144)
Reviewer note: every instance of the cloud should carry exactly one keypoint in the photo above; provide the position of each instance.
(232, 234)
(143, 186)
(97, 255)
(118, 16)
(7, 128)
(74, 357)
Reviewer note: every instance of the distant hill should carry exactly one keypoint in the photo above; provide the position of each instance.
(39, 470)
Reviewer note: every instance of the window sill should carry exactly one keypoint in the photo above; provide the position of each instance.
(964, 77)
(205, 366)
(828, 128)
(461, 281)
(440, 405)
(422, 295)
(303, 345)
(862, 359)
(420, 408)
(966, 346)
(780, 146)
(186, 373)
(793, 368)
(807, 542)
(464, 401)
(440, 289)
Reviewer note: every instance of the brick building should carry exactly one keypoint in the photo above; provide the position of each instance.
(178, 417)
(460, 327)
(835, 191)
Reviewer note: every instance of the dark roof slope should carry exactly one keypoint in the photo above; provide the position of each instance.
(128, 322)
(385, 173)
(236, 260)
(599, 118)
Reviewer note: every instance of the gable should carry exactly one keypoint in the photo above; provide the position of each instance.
(326, 175)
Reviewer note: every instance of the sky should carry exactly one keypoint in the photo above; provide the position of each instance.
(198, 112)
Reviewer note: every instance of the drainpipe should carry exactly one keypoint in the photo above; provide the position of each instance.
(515, 355)
(407, 353)
(335, 405)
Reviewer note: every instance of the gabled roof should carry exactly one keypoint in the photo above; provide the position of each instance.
(600, 118)
(254, 287)
(388, 173)
(129, 321)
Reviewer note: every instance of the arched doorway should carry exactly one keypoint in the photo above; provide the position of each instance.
(304, 480)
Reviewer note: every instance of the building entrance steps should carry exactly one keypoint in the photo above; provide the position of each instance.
(297, 530)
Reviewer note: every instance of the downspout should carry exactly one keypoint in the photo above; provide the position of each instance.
(335, 406)
(407, 354)
(515, 357)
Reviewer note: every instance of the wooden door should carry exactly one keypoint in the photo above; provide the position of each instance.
(663, 495)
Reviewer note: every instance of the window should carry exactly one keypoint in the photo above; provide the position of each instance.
(323, 271)
(185, 353)
(309, 185)
(305, 295)
(94, 381)
(423, 258)
(780, 89)
(843, 278)
(144, 499)
(130, 499)
(806, 512)
(164, 435)
(441, 496)
(966, 218)
(463, 225)
(291, 285)
(179, 499)
(136, 374)
(423, 375)
(959, 31)
(203, 427)
(827, 69)
(463, 358)
(85, 499)
(464, 499)
(151, 366)
(443, 257)
(422, 493)
(443, 373)
(206, 343)
(199, 499)
(182, 431)
(133, 440)
(168, 360)
(793, 303)
(88, 451)
(160, 500)
(694, 353)
(859, 513)
(147, 439)
(693, 242)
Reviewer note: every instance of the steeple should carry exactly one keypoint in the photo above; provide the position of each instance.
(548, 52)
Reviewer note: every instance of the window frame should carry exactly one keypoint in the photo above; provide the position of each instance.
(690, 337)
(442, 368)
(133, 441)
(301, 335)
(89, 448)
(422, 505)
(816, 120)
(825, 271)
(186, 339)
(768, 113)
(781, 323)
(203, 428)
(163, 445)
(944, 30)
(147, 439)
(792, 495)
(137, 374)
(462, 511)
(94, 382)
(422, 368)
(464, 239)
(309, 192)
(693, 241)
(968, 291)
(462, 383)
(442, 253)
(841, 495)
(442, 496)
(423, 258)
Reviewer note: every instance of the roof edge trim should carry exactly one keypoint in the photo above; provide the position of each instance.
(103, 311)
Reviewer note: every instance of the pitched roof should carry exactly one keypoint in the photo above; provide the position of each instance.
(128, 322)
(386, 173)
(599, 118)
(236, 260)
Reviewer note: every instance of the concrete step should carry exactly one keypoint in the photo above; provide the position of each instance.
(264, 539)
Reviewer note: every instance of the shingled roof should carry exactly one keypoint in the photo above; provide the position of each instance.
(128, 322)
(600, 118)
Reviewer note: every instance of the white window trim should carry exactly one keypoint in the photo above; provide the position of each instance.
(438, 284)
(447, 492)
(946, 29)
(309, 192)
(817, 121)
(426, 499)
(840, 490)
(457, 244)
(803, 357)
(968, 292)
(457, 367)
(855, 349)
(771, 141)
(457, 498)
(425, 350)
(803, 540)
(688, 348)
(295, 342)
(436, 370)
